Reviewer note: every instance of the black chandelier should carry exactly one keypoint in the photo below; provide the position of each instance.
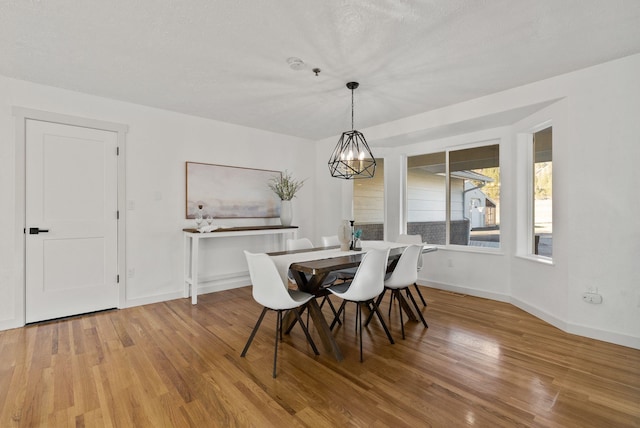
(352, 157)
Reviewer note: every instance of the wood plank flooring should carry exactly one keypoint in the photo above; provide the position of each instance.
(481, 363)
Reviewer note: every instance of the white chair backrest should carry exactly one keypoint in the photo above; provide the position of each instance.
(406, 272)
(411, 239)
(330, 241)
(267, 286)
(298, 244)
(369, 279)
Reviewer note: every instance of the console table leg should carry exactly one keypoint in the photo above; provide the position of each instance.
(194, 270)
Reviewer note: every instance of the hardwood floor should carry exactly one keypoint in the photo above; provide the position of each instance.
(480, 363)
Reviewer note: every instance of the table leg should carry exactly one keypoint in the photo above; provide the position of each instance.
(312, 285)
(404, 305)
(328, 341)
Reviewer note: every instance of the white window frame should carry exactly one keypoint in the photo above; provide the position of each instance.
(531, 191)
(447, 149)
(526, 236)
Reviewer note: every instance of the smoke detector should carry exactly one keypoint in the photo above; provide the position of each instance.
(296, 63)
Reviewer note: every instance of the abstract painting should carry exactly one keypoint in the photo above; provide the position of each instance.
(230, 191)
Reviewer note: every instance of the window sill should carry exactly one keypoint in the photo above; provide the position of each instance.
(537, 259)
(471, 249)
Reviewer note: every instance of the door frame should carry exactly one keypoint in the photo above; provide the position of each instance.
(21, 115)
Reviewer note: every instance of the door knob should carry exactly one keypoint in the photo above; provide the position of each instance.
(36, 230)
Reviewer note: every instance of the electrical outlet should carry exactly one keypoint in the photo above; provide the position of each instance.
(450, 263)
(594, 298)
(131, 272)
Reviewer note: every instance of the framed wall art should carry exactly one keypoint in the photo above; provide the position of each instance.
(230, 191)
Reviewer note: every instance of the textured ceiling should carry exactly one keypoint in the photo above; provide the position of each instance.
(227, 60)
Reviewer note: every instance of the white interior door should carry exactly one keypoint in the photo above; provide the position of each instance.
(71, 220)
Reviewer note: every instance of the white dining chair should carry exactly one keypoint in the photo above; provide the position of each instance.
(306, 244)
(414, 239)
(269, 290)
(331, 278)
(403, 276)
(367, 284)
(332, 241)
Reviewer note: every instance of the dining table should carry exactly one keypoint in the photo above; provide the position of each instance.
(310, 267)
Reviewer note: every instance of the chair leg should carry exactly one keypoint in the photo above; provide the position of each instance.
(324, 299)
(359, 323)
(380, 297)
(420, 293)
(337, 317)
(278, 338)
(415, 305)
(333, 308)
(300, 310)
(384, 325)
(306, 333)
(253, 333)
(399, 310)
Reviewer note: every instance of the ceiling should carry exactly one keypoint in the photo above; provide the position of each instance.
(227, 60)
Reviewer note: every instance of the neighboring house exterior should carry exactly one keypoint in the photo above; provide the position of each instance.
(480, 209)
(426, 205)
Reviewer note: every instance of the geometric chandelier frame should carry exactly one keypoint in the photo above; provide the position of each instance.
(352, 157)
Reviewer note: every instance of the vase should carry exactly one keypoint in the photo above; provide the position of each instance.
(286, 213)
(199, 216)
(344, 235)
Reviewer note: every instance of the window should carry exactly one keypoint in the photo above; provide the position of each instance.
(368, 204)
(427, 197)
(542, 206)
(469, 212)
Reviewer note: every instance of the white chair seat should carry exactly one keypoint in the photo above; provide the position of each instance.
(298, 298)
(271, 292)
(340, 288)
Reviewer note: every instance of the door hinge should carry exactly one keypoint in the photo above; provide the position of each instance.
(118, 215)
(118, 279)
(117, 151)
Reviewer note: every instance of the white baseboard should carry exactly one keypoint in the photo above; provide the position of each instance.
(156, 298)
(539, 313)
(9, 324)
(466, 290)
(580, 330)
(605, 336)
(223, 282)
(206, 285)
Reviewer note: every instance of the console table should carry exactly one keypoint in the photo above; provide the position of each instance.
(192, 238)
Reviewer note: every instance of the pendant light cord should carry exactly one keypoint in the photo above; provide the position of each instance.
(352, 127)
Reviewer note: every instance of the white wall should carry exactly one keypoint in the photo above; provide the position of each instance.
(596, 236)
(157, 147)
